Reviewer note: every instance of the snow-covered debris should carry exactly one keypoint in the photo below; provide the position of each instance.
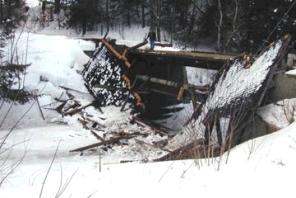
(240, 82)
(233, 95)
(279, 115)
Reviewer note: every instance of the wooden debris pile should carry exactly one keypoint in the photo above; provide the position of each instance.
(129, 133)
(123, 135)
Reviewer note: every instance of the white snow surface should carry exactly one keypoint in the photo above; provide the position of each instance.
(262, 167)
(32, 3)
(291, 73)
(55, 61)
(278, 115)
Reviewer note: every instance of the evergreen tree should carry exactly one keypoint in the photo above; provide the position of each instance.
(12, 14)
(84, 14)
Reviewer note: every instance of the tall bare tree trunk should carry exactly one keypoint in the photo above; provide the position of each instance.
(107, 15)
(128, 18)
(152, 14)
(57, 6)
(219, 26)
(158, 10)
(192, 18)
(1, 11)
(143, 14)
(234, 23)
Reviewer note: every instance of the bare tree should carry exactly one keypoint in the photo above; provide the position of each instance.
(143, 13)
(219, 26)
(234, 23)
(107, 15)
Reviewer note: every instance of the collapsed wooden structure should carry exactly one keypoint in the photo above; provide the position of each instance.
(152, 78)
(227, 117)
(118, 75)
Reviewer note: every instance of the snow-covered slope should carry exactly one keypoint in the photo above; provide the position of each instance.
(264, 167)
(55, 61)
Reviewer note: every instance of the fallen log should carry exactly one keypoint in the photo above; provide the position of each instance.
(77, 110)
(97, 136)
(71, 89)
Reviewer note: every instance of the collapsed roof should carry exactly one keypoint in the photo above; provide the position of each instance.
(237, 92)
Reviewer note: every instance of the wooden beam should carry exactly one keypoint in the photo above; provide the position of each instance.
(206, 60)
(197, 55)
(116, 53)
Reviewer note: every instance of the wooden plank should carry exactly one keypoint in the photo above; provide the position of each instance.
(116, 53)
(111, 141)
(197, 55)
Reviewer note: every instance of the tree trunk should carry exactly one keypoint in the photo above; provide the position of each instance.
(192, 19)
(128, 18)
(107, 15)
(235, 16)
(152, 15)
(1, 11)
(57, 6)
(158, 9)
(234, 24)
(143, 14)
(219, 26)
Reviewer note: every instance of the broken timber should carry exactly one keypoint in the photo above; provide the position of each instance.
(225, 117)
(118, 74)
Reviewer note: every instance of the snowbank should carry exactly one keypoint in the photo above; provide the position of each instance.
(278, 115)
(260, 167)
(55, 61)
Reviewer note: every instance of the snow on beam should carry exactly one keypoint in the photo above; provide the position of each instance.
(237, 92)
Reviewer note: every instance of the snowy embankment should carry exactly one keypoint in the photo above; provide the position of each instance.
(263, 167)
(55, 61)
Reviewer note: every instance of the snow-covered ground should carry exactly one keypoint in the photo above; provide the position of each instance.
(264, 167)
(55, 61)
